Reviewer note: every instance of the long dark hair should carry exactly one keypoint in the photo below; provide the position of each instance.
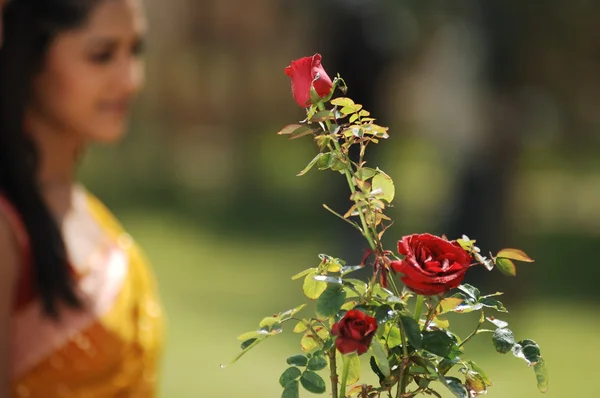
(30, 26)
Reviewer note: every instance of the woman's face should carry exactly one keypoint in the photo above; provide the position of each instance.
(91, 75)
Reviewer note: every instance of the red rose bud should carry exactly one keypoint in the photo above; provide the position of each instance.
(431, 265)
(354, 332)
(305, 73)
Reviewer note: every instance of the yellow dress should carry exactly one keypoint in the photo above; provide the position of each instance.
(110, 350)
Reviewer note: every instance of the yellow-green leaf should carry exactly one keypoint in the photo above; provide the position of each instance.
(301, 326)
(342, 101)
(313, 288)
(353, 369)
(506, 266)
(382, 187)
(289, 129)
(514, 254)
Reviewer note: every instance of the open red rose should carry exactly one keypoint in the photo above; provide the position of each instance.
(354, 332)
(305, 73)
(432, 265)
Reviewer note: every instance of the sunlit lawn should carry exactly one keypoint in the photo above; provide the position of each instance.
(215, 288)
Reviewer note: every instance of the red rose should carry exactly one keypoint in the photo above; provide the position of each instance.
(355, 332)
(432, 265)
(305, 73)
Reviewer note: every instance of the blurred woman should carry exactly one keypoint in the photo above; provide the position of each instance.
(79, 312)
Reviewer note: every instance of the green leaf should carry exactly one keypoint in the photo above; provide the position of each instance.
(249, 335)
(321, 116)
(248, 343)
(301, 326)
(449, 304)
(329, 279)
(506, 266)
(317, 363)
(457, 388)
(441, 343)
(312, 288)
(326, 161)
(290, 128)
(492, 303)
(383, 184)
(384, 313)
(301, 274)
(364, 173)
(285, 315)
(311, 164)
(503, 340)
(290, 374)
(481, 372)
(527, 350)
(471, 291)
(297, 360)
(515, 254)
(268, 321)
(330, 301)
(301, 132)
(392, 334)
(375, 368)
(541, 374)
(312, 382)
(381, 357)
(413, 331)
(353, 367)
(292, 390)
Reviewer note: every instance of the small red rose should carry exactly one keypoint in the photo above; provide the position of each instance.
(354, 332)
(305, 73)
(431, 265)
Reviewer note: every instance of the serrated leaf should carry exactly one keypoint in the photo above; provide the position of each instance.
(384, 184)
(492, 303)
(289, 375)
(506, 266)
(312, 382)
(515, 254)
(292, 390)
(471, 291)
(268, 321)
(330, 301)
(342, 101)
(326, 161)
(449, 304)
(317, 363)
(392, 335)
(456, 387)
(285, 315)
(290, 128)
(297, 360)
(375, 368)
(475, 383)
(441, 343)
(412, 330)
(504, 340)
(321, 116)
(313, 288)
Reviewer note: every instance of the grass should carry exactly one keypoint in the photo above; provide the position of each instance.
(215, 289)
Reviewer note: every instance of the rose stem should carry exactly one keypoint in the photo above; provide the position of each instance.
(333, 373)
(346, 368)
(419, 307)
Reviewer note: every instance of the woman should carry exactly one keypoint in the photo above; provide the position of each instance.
(79, 313)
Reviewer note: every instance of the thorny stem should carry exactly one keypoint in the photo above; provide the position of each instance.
(366, 229)
(401, 374)
(333, 373)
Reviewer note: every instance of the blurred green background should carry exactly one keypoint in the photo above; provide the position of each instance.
(493, 110)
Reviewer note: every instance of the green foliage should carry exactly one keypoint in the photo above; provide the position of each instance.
(411, 347)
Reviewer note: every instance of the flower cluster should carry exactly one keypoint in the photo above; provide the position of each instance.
(402, 328)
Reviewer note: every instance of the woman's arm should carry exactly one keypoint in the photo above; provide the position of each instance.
(9, 258)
